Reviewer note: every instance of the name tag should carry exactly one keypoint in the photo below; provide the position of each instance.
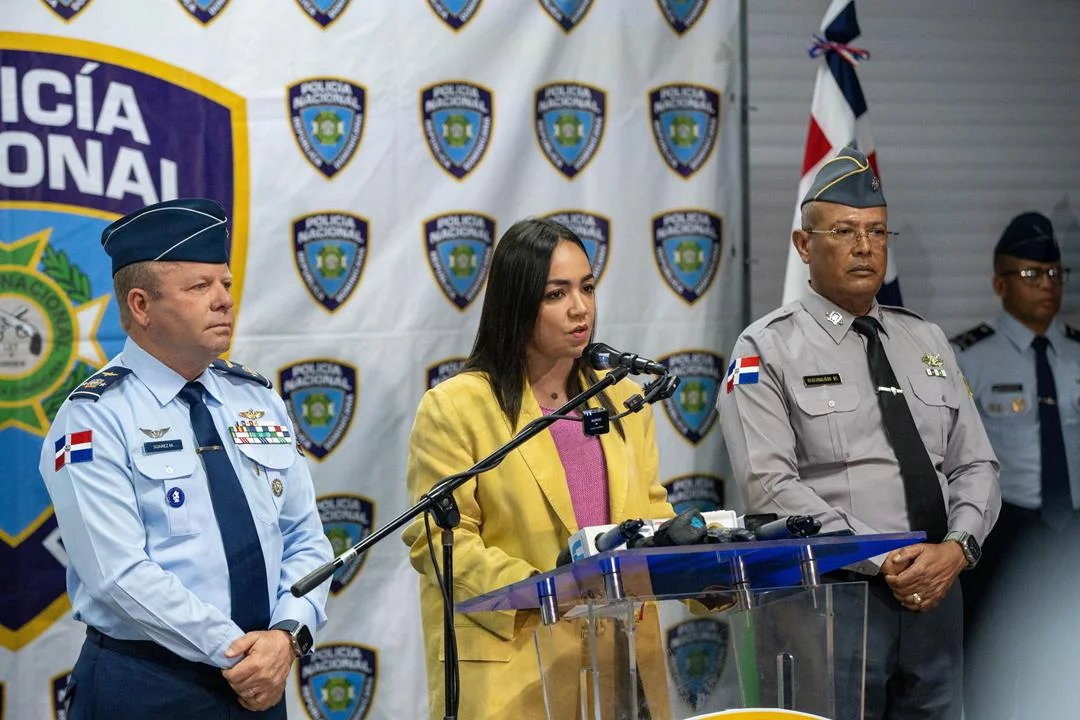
(149, 448)
(1007, 388)
(825, 379)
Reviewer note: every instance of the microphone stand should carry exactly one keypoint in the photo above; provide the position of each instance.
(439, 501)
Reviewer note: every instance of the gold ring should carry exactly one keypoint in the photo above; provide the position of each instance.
(916, 598)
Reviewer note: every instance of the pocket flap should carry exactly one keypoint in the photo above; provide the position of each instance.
(934, 391)
(479, 644)
(165, 466)
(278, 456)
(828, 399)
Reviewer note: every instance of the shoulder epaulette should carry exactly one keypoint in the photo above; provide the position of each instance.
(778, 314)
(94, 386)
(967, 339)
(1072, 333)
(241, 371)
(903, 310)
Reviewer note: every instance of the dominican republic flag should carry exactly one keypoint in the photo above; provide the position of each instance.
(838, 118)
(743, 371)
(74, 447)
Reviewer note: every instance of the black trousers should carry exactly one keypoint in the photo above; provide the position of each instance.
(122, 680)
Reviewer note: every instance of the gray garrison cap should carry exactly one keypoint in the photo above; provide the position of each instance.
(847, 179)
(1029, 236)
(185, 230)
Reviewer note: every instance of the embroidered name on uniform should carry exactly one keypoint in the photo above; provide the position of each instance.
(743, 371)
(824, 379)
(76, 447)
(1007, 388)
(252, 434)
(149, 448)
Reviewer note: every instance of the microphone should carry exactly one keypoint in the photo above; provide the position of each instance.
(604, 357)
(686, 528)
(794, 526)
(607, 540)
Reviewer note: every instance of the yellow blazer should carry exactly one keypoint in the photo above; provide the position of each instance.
(514, 521)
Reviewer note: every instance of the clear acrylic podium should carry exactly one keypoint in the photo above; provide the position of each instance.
(793, 641)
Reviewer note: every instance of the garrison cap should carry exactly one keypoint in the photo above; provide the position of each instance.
(847, 179)
(1029, 236)
(185, 230)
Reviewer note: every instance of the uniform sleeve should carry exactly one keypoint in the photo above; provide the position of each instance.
(305, 545)
(761, 445)
(438, 447)
(970, 465)
(105, 540)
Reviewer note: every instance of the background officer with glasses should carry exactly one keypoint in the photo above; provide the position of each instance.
(856, 413)
(1023, 367)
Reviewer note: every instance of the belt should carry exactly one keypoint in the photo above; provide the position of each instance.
(145, 650)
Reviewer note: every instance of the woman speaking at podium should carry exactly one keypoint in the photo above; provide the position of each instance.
(538, 315)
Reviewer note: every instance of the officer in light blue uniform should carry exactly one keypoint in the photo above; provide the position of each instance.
(1032, 416)
(184, 505)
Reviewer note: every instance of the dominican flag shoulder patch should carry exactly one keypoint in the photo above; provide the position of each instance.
(743, 371)
(74, 447)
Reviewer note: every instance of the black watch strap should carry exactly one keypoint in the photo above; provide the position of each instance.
(298, 633)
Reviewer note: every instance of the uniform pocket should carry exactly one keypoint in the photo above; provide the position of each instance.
(270, 463)
(825, 413)
(184, 497)
(938, 401)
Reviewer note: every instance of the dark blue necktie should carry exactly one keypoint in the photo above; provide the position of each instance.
(243, 552)
(1057, 504)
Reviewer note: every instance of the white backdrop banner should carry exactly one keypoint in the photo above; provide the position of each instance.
(369, 154)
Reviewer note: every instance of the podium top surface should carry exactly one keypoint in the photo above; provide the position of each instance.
(687, 571)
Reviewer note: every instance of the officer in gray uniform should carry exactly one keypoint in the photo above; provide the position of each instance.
(857, 414)
(185, 509)
(1023, 367)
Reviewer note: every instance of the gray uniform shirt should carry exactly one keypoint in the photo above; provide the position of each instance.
(807, 438)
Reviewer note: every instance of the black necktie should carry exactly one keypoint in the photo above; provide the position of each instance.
(1057, 505)
(243, 552)
(922, 490)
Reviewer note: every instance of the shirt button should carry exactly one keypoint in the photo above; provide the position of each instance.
(832, 403)
(168, 469)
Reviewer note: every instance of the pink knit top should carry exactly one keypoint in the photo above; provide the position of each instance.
(586, 470)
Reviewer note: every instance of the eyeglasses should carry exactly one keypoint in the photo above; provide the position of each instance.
(1034, 276)
(848, 235)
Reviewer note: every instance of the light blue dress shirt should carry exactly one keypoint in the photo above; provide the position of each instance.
(1000, 369)
(146, 562)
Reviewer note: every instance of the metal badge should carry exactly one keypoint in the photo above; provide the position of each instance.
(277, 487)
(1019, 405)
(155, 434)
(834, 317)
(932, 360)
(252, 414)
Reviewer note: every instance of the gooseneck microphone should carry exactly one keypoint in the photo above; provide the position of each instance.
(604, 357)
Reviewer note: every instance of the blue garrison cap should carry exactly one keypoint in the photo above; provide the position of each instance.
(847, 179)
(1029, 236)
(185, 230)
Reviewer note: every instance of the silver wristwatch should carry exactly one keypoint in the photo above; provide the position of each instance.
(968, 544)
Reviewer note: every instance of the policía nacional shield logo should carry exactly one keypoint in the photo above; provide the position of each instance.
(455, 13)
(570, 121)
(323, 12)
(205, 11)
(594, 231)
(327, 117)
(330, 249)
(321, 395)
(687, 246)
(699, 491)
(692, 409)
(457, 120)
(685, 121)
(338, 681)
(682, 14)
(347, 519)
(458, 248)
(568, 13)
(66, 10)
(117, 137)
(58, 686)
(697, 654)
(443, 370)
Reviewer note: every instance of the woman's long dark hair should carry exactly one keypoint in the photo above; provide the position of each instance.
(515, 288)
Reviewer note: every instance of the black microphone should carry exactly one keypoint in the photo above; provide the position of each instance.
(686, 528)
(607, 540)
(604, 357)
(794, 526)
